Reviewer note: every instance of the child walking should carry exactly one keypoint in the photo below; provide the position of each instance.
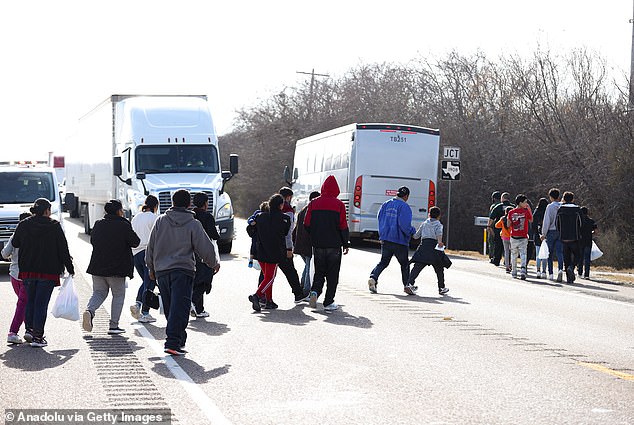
(18, 287)
(505, 234)
(430, 234)
(520, 218)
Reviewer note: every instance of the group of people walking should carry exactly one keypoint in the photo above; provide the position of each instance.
(558, 223)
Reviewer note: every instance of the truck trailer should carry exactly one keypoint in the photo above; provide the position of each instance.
(130, 146)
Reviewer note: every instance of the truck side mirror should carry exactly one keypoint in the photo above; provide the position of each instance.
(233, 163)
(295, 174)
(287, 176)
(117, 170)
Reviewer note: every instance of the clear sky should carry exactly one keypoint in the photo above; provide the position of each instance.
(62, 58)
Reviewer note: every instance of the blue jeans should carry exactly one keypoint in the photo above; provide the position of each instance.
(176, 294)
(149, 284)
(389, 249)
(555, 247)
(306, 273)
(38, 293)
(584, 260)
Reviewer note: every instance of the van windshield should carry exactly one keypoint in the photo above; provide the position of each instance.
(177, 159)
(17, 187)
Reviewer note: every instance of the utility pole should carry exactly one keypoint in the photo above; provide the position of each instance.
(312, 84)
(631, 98)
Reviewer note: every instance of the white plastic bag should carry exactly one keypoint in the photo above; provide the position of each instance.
(543, 251)
(595, 252)
(66, 305)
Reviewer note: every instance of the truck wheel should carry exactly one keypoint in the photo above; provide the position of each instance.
(225, 248)
(72, 205)
(86, 216)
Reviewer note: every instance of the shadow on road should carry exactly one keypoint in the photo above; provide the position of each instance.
(431, 300)
(35, 359)
(295, 316)
(196, 372)
(208, 327)
(340, 317)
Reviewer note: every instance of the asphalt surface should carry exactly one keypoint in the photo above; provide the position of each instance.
(494, 350)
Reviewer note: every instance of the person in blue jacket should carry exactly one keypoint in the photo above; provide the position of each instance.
(395, 232)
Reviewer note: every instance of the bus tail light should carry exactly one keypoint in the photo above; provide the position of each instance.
(357, 192)
(431, 198)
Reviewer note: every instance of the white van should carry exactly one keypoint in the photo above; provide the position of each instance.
(370, 163)
(20, 186)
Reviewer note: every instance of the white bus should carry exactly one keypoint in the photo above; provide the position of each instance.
(370, 163)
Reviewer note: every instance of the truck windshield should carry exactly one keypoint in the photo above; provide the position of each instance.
(177, 159)
(18, 187)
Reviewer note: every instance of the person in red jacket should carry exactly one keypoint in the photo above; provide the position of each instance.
(519, 219)
(326, 222)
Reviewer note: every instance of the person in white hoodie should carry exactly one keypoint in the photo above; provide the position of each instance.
(9, 252)
(142, 224)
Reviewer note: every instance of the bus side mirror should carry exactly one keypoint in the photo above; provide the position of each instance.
(233, 163)
(117, 170)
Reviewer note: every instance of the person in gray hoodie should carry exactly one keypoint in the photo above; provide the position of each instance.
(175, 238)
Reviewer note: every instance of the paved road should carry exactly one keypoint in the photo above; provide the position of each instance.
(495, 351)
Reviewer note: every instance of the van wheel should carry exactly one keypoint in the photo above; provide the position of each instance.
(86, 219)
(225, 248)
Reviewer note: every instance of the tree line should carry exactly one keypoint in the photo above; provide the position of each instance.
(524, 125)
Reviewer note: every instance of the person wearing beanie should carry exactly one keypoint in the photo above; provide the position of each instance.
(112, 240)
(43, 257)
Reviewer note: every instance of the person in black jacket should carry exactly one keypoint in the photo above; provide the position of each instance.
(588, 226)
(328, 227)
(538, 219)
(204, 273)
(271, 228)
(43, 256)
(568, 224)
(111, 261)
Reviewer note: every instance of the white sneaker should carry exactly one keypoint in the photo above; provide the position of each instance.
(202, 314)
(135, 311)
(14, 339)
(560, 276)
(372, 285)
(146, 318)
(331, 307)
(86, 321)
(443, 291)
(192, 311)
(551, 277)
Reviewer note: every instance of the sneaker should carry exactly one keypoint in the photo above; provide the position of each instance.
(560, 276)
(409, 290)
(202, 314)
(135, 311)
(508, 270)
(372, 283)
(331, 307)
(115, 331)
(86, 321)
(262, 302)
(551, 277)
(255, 302)
(312, 302)
(14, 339)
(302, 298)
(514, 275)
(586, 277)
(39, 342)
(146, 318)
(192, 311)
(270, 305)
(523, 276)
(443, 291)
(28, 336)
(538, 275)
(175, 351)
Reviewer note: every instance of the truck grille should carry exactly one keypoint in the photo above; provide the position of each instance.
(7, 227)
(165, 200)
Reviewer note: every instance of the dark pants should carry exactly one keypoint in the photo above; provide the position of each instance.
(571, 259)
(148, 284)
(202, 283)
(327, 265)
(498, 247)
(584, 260)
(38, 293)
(288, 268)
(418, 267)
(176, 294)
(389, 249)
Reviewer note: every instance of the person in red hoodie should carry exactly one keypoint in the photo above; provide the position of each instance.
(519, 219)
(326, 222)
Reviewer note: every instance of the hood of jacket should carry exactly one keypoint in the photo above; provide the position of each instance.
(41, 224)
(179, 216)
(330, 188)
(569, 209)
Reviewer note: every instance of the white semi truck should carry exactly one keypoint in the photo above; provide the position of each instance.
(130, 146)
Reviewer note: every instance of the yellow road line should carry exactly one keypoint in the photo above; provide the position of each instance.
(598, 367)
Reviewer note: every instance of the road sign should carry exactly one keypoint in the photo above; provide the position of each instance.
(481, 221)
(451, 153)
(450, 170)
